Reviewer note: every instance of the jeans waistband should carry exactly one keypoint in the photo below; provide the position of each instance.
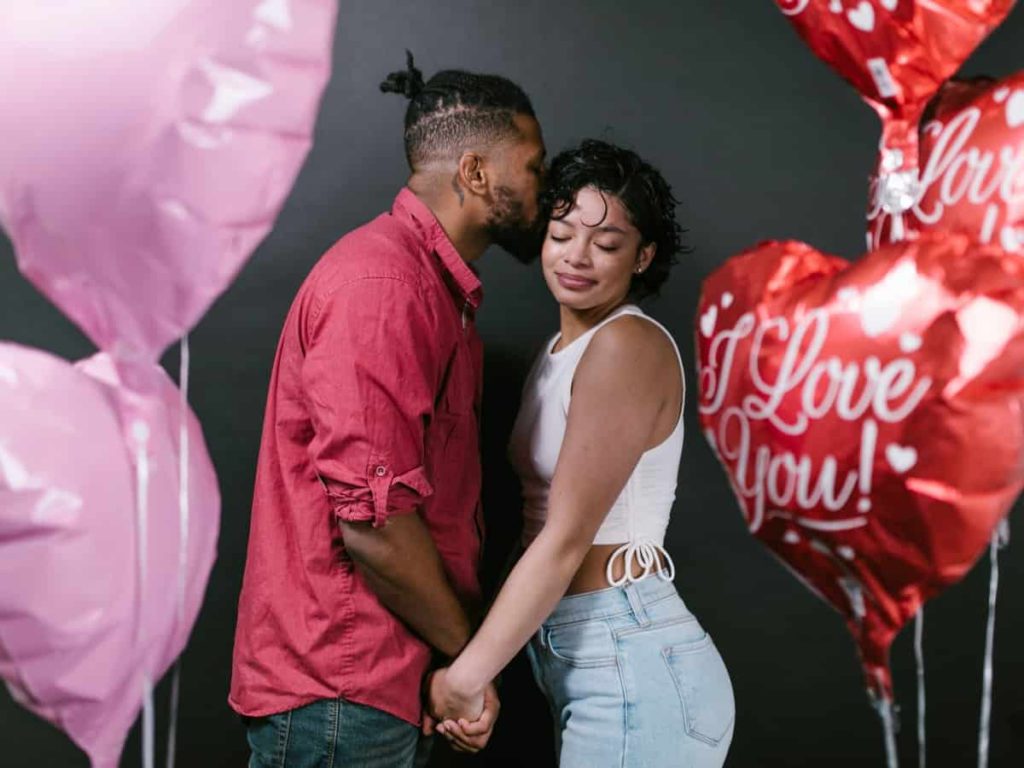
(614, 601)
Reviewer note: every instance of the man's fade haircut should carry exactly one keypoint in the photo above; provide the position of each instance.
(454, 111)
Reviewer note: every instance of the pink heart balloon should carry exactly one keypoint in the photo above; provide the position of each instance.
(148, 148)
(88, 617)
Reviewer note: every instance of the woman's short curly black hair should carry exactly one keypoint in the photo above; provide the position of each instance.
(643, 191)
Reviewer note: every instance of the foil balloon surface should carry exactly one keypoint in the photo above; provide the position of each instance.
(868, 416)
(99, 590)
(896, 54)
(148, 147)
(972, 163)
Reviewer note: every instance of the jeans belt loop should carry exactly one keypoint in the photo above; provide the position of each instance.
(636, 605)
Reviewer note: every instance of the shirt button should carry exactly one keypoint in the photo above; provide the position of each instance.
(381, 471)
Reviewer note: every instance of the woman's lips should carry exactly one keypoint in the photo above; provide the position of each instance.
(573, 283)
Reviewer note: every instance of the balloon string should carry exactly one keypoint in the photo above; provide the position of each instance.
(172, 736)
(183, 530)
(183, 466)
(999, 539)
(919, 655)
(148, 724)
(875, 238)
(898, 231)
(140, 434)
(884, 705)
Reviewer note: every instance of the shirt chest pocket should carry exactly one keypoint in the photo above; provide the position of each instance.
(454, 415)
(458, 390)
(453, 448)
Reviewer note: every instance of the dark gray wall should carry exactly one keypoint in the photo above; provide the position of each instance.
(760, 140)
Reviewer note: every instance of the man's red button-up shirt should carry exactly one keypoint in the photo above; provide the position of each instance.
(372, 411)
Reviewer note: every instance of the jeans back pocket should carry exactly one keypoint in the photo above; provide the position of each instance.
(705, 690)
(268, 739)
(582, 644)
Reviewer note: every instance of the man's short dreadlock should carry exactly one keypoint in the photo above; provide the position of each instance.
(455, 111)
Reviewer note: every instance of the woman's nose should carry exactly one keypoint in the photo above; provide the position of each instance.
(576, 254)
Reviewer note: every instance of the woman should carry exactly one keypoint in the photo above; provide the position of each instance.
(632, 678)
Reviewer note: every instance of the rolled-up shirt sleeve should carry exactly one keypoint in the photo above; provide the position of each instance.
(370, 376)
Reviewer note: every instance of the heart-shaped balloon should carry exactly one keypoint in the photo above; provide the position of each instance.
(101, 573)
(891, 215)
(147, 148)
(846, 402)
(972, 163)
(896, 53)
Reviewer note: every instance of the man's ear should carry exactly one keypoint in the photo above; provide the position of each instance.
(472, 175)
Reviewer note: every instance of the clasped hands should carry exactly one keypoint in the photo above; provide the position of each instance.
(461, 714)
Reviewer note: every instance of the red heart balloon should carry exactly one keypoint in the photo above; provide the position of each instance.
(891, 217)
(972, 163)
(896, 53)
(850, 405)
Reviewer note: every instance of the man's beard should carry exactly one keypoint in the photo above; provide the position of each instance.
(509, 229)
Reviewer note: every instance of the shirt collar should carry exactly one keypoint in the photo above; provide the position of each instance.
(461, 278)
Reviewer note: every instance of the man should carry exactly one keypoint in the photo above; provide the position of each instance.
(365, 533)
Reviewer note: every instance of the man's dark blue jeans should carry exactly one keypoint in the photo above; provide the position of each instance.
(334, 733)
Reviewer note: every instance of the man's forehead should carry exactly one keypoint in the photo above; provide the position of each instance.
(529, 129)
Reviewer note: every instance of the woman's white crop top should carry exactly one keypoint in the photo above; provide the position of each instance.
(640, 514)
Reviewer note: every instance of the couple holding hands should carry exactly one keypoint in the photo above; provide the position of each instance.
(361, 625)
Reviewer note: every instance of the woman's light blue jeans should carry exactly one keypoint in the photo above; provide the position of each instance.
(633, 680)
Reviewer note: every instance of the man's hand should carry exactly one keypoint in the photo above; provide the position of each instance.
(466, 718)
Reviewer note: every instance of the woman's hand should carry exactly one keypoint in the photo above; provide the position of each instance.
(466, 715)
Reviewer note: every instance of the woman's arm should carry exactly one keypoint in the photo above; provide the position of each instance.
(624, 380)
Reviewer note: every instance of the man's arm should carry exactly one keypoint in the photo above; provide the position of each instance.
(370, 376)
(400, 563)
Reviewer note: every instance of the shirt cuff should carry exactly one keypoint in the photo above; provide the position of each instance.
(384, 495)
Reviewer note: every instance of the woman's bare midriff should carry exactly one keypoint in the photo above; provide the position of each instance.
(592, 573)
